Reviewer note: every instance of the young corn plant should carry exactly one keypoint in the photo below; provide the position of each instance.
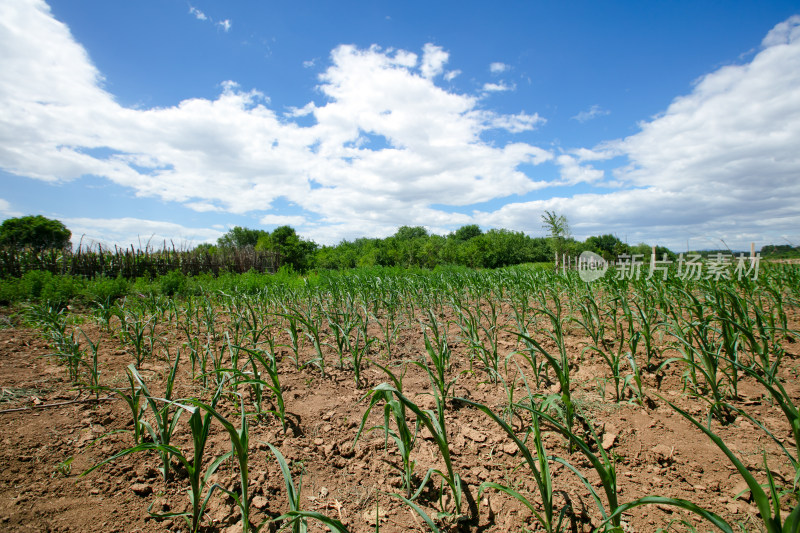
(200, 425)
(614, 359)
(295, 340)
(786, 404)
(550, 519)
(560, 366)
(93, 382)
(434, 421)
(757, 333)
(133, 398)
(240, 439)
(590, 320)
(165, 418)
(769, 505)
(269, 364)
(312, 322)
(648, 326)
(390, 327)
(133, 332)
(341, 323)
(359, 349)
(403, 436)
(296, 517)
(605, 468)
(468, 324)
(704, 357)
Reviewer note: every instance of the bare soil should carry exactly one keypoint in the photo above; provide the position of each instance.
(50, 434)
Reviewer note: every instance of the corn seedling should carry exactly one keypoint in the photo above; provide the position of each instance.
(614, 359)
(605, 468)
(270, 366)
(239, 441)
(769, 506)
(296, 517)
(200, 424)
(92, 365)
(294, 337)
(312, 322)
(404, 438)
(434, 422)
(133, 332)
(165, 418)
(560, 367)
(539, 464)
(133, 398)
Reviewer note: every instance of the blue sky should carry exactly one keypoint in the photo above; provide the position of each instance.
(671, 123)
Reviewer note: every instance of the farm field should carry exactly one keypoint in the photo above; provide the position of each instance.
(516, 399)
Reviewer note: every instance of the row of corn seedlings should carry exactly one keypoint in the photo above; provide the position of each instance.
(720, 332)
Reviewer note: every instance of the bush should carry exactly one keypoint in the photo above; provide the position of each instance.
(104, 290)
(172, 283)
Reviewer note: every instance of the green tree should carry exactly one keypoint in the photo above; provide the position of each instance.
(206, 247)
(557, 228)
(34, 232)
(295, 251)
(465, 233)
(407, 233)
(608, 246)
(239, 237)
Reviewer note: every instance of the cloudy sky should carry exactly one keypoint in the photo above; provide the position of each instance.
(673, 123)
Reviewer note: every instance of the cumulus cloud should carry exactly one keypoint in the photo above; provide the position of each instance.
(593, 112)
(721, 163)
(225, 25)
(497, 87)
(139, 232)
(572, 172)
(283, 220)
(433, 60)
(497, 68)
(386, 144)
(6, 211)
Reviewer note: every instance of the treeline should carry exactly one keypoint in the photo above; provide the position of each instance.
(780, 251)
(37, 243)
(415, 247)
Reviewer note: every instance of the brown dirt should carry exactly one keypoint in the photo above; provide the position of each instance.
(658, 452)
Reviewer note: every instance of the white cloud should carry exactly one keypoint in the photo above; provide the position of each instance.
(197, 13)
(387, 145)
(593, 112)
(450, 75)
(6, 211)
(573, 173)
(720, 164)
(497, 68)
(785, 32)
(283, 220)
(517, 123)
(139, 232)
(387, 142)
(497, 87)
(433, 60)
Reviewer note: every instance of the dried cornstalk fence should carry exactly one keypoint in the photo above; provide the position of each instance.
(134, 262)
